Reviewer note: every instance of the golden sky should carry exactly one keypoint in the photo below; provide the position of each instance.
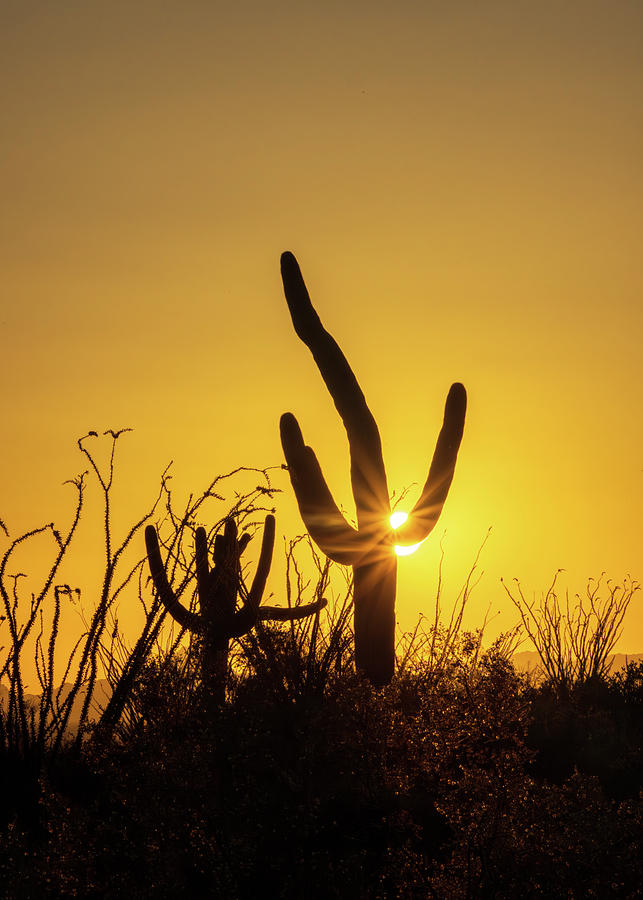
(462, 184)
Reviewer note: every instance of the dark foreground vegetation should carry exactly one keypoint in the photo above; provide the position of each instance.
(463, 784)
(461, 778)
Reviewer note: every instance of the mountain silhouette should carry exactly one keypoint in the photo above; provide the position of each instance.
(102, 693)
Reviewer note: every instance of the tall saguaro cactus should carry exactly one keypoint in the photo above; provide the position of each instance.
(219, 620)
(369, 549)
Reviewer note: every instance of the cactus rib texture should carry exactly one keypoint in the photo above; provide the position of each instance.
(219, 619)
(369, 549)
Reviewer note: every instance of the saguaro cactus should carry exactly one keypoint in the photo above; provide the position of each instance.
(218, 619)
(369, 549)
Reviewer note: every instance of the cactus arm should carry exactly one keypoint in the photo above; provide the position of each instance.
(323, 520)
(226, 547)
(246, 619)
(263, 566)
(244, 540)
(201, 560)
(427, 510)
(286, 614)
(368, 475)
(183, 616)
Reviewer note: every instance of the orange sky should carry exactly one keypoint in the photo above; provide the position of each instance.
(463, 186)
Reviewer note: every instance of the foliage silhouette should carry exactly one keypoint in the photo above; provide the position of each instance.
(296, 664)
(574, 637)
(594, 727)
(35, 734)
(369, 549)
(424, 788)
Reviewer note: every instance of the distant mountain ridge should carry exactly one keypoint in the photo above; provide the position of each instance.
(101, 695)
(529, 661)
(524, 661)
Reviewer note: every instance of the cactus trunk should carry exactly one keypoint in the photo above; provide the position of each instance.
(374, 587)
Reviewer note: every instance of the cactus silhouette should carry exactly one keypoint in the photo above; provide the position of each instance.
(369, 549)
(218, 619)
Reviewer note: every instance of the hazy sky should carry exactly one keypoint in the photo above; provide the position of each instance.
(463, 186)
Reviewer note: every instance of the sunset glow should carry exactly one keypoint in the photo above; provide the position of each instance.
(274, 273)
(462, 186)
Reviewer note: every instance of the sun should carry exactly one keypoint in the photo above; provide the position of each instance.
(397, 519)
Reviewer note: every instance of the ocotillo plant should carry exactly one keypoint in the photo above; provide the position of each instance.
(218, 619)
(369, 549)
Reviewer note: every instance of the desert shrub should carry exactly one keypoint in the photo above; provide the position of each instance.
(423, 788)
(574, 843)
(626, 687)
(348, 791)
(595, 727)
(295, 662)
(574, 636)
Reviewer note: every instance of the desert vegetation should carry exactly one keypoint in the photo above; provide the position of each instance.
(278, 769)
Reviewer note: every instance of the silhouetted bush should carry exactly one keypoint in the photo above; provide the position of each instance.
(424, 788)
(574, 636)
(596, 728)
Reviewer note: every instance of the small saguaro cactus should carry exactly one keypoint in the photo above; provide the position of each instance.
(369, 549)
(218, 619)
